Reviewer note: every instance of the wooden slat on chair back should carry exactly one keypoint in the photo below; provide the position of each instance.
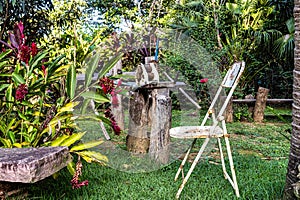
(232, 74)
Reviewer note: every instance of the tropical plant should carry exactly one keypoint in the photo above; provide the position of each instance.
(38, 99)
(31, 93)
(284, 45)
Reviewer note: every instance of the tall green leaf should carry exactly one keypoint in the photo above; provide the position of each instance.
(92, 65)
(9, 96)
(18, 78)
(54, 65)
(3, 54)
(71, 81)
(95, 96)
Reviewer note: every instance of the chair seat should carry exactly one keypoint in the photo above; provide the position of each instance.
(196, 132)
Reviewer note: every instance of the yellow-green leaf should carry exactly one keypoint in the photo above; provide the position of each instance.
(59, 118)
(86, 158)
(72, 139)
(55, 175)
(70, 167)
(58, 140)
(18, 145)
(86, 145)
(6, 143)
(68, 107)
(9, 96)
(96, 156)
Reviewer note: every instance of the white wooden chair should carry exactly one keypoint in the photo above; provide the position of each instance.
(216, 130)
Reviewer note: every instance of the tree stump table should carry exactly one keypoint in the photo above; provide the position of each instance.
(150, 121)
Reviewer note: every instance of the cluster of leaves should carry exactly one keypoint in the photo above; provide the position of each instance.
(37, 99)
(32, 96)
(33, 13)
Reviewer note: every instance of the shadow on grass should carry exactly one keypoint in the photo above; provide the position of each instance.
(257, 179)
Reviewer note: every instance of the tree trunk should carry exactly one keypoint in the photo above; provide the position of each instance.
(160, 126)
(260, 104)
(294, 157)
(137, 140)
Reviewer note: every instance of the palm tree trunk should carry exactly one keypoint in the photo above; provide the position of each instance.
(292, 181)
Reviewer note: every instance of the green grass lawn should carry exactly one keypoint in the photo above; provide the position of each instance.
(260, 153)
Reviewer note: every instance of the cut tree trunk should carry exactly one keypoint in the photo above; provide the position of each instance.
(137, 140)
(260, 104)
(161, 124)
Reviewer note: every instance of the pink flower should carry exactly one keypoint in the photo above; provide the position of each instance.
(21, 92)
(33, 49)
(115, 127)
(44, 70)
(107, 85)
(24, 53)
(76, 184)
(114, 102)
(204, 80)
(117, 130)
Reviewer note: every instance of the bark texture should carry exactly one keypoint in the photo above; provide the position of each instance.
(294, 158)
(137, 140)
(161, 124)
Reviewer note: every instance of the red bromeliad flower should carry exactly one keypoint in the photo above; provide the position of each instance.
(114, 125)
(18, 31)
(17, 40)
(33, 49)
(24, 53)
(21, 92)
(204, 80)
(107, 85)
(44, 70)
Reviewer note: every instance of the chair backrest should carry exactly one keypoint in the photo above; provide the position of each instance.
(230, 81)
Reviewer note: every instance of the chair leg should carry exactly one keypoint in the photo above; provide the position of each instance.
(222, 158)
(180, 169)
(192, 167)
(232, 167)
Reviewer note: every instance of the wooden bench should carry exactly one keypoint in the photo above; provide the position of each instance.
(29, 165)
